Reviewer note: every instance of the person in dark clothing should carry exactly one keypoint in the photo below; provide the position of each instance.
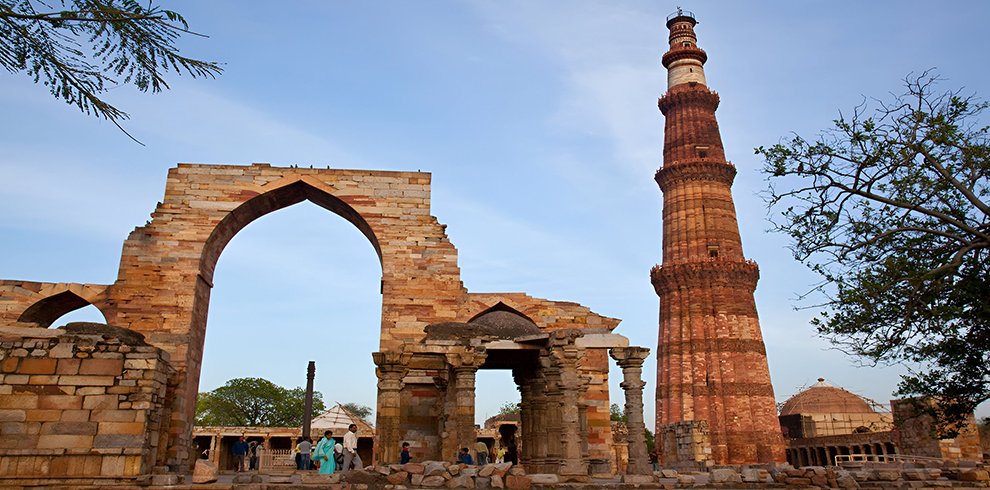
(465, 456)
(404, 457)
(240, 450)
(511, 454)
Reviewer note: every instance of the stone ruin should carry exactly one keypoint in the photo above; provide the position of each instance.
(115, 405)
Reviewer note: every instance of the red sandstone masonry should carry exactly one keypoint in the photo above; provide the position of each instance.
(67, 427)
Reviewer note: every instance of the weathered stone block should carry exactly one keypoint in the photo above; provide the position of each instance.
(59, 441)
(497, 481)
(399, 477)
(101, 367)
(518, 482)
(69, 428)
(434, 481)
(205, 472)
(461, 481)
(37, 366)
(434, 468)
(117, 440)
(414, 468)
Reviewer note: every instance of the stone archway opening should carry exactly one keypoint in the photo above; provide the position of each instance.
(293, 283)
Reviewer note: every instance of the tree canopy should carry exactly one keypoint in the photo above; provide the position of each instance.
(81, 48)
(254, 402)
(890, 206)
(362, 412)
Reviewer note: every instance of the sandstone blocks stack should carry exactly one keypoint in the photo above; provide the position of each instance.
(83, 404)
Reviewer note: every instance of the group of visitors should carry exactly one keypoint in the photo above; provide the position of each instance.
(503, 454)
(328, 455)
(243, 450)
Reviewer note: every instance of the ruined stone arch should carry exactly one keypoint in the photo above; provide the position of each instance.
(53, 306)
(501, 307)
(276, 196)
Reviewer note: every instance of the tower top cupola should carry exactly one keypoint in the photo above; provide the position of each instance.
(684, 60)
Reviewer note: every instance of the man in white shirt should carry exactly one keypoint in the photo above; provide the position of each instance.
(350, 449)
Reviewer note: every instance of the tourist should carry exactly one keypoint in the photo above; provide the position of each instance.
(305, 448)
(481, 449)
(323, 454)
(465, 456)
(500, 454)
(240, 449)
(338, 454)
(511, 454)
(404, 455)
(350, 449)
(253, 455)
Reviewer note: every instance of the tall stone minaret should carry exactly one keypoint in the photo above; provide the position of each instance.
(711, 361)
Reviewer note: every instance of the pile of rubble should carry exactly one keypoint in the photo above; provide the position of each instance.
(864, 475)
(436, 474)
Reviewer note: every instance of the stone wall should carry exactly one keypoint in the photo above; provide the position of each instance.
(914, 434)
(684, 445)
(83, 404)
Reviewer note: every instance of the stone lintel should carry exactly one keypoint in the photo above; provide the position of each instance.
(535, 338)
(602, 341)
(509, 345)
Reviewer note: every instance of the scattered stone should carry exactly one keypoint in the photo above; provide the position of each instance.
(398, 477)
(486, 470)
(668, 473)
(385, 470)
(461, 482)
(454, 469)
(242, 478)
(518, 482)
(497, 481)
(725, 475)
(544, 479)
(414, 468)
(164, 480)
(517, 470)
(205, 472)
(502, 468)
(434, 481)
(632, 479)
(482, 482)
(434, 468)
(282, 479)
(416, 480)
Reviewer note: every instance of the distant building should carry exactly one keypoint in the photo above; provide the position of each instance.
(823, 422)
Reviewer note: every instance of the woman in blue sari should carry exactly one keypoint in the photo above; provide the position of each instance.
(323, 454)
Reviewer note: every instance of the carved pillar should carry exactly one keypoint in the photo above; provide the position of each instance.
(460, 432)
(524, 382)
(392, 367)
(630, 359)
(566, 355)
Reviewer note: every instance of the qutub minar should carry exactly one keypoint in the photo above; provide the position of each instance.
(715, 402)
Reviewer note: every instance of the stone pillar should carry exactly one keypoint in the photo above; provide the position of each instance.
(213, 450)
(460, 432)
(566, 356)
(524, 383)
(630, 359)
(392, 367)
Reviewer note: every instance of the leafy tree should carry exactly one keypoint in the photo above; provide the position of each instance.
(890, 207)
(253, 402)
(81, 48)
(617, 414)
(508, 408)
(362, 412)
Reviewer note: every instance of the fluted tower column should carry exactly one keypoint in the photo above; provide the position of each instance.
(711, 360)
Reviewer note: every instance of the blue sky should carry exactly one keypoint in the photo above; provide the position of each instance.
(538, 121)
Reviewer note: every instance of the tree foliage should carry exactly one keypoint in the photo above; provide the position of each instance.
(81, 48)
(362, 412)
(890, 207)
(254, 402)
(508, 408)
(617, 414)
